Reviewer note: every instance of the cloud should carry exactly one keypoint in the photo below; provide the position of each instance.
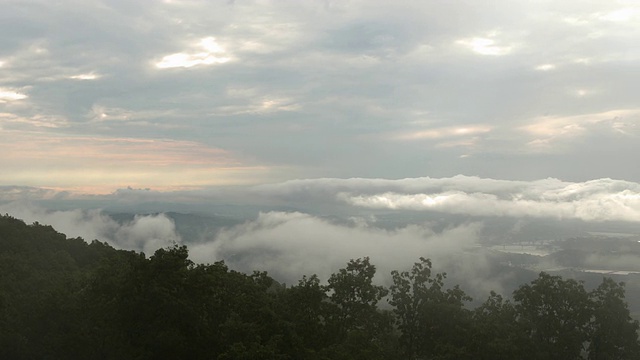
(599, 207)
(595, 200)
(620, 15)
(312, 86)
(145, 233)
(484, 46)
(86, 76)
(599, 200)
(550, 130)
(113, 162)
(37, 121)
(437, 133)
(545, 67)
(289, 245)
(208, 52)
(26, 193)
(7, 95)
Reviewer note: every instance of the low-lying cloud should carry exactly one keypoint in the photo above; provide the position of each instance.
(145, 233)
(598, 200)
(595, 200)
(289, 245)
(598, 207)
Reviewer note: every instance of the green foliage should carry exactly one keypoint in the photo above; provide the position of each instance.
(355, 296)
(432, 320)
(614, 335)
(64, 298)
(556, 315)
(305, 307)
(496, 334)
(357, 327)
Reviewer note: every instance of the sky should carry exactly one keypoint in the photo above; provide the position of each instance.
(388, 129)
(309, 109)
(97, 96)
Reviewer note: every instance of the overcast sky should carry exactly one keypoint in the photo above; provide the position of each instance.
(173, 95)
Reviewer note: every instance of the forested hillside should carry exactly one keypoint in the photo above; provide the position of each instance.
(65, 298)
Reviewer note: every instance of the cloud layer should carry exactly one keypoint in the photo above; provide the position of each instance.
(595, 200)
(199, 93)
(600, 200)
(289, 245)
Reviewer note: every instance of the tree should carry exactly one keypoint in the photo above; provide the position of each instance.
(354, 294)
(359, 329)
(305, 306)
(496, 333)
(614, 334)
(432, 320)
(555, 315)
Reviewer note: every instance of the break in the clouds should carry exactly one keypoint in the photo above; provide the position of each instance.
(199, 93)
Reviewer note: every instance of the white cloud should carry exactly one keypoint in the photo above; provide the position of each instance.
(485, 46)
(447, 132)
(210, 53)
(545, 67)
(549, 129)
(145, 233)
(353, 72)
(7, 95)
(623, 206)
(86, 76)
(582, 92)
(289, 245)
(596, 200)
(620, 15)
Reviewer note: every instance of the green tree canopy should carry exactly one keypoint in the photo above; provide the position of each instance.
(555, 314)
(65, 298)
(432, 320)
